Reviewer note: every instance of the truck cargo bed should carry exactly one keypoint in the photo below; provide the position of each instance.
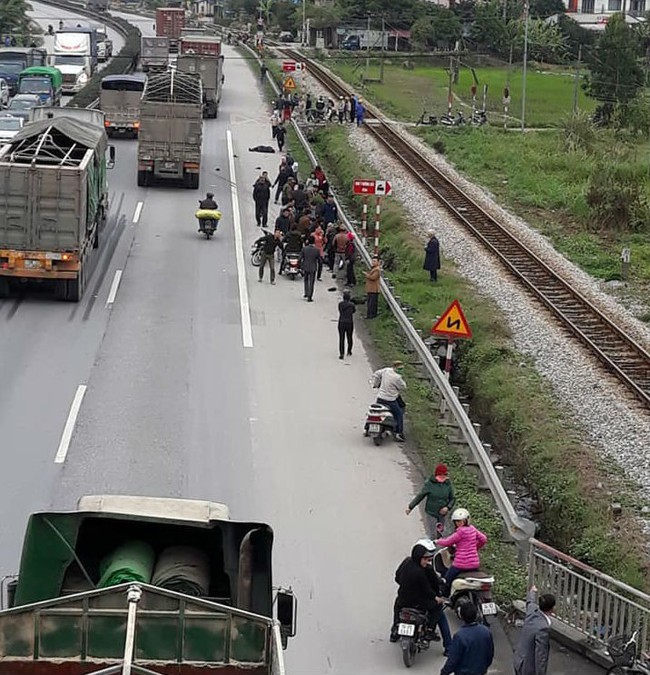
(174, 633)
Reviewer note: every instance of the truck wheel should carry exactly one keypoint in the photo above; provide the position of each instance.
(142, 179)
(61, 290)
(75, 288)
(191, 181)
(5, 290)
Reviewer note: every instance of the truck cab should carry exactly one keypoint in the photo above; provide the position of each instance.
(44, 81)
(169, 585)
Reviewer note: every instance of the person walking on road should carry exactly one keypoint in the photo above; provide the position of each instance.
(271, 242)
(263, 71)
(350, 257)
(440, 500)
(391, 384)
(372, 288)
(319, 243)
(531, 654)
(340, 245)
(432, 257)
(275, 120)
(284, 173)
(309, 258)
(262, 197)
(346, 323)
(472, 649)
(280, 136)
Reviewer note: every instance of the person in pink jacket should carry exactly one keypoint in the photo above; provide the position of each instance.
(467, 540)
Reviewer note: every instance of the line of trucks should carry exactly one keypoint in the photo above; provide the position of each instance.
(144, 585)
(53, 181)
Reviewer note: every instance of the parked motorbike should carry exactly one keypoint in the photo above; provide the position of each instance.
(291, 266)
(474, 587)
(479, 118)
(427, 120)
(379, 423)
(256, 249)
(413, 633)
(448, 120)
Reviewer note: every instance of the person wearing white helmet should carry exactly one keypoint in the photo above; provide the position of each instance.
(468, 540)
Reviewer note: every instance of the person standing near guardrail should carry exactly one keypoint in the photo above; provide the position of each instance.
(432, 256)
(372, 288)
(531, 654)
(440, 500)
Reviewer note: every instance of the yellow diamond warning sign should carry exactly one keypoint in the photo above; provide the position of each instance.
(289, 83)
(453, 323)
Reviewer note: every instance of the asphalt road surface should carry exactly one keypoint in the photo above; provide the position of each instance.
(194, 380)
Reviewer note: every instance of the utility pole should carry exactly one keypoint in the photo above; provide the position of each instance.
(451, 77)
(576, 81)
(368, 48)
(305, 42)
(383, 53)
(523, 82)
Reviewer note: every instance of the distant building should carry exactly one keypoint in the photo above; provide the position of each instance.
(594, 14)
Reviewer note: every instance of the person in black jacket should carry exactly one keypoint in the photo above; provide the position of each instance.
(284, 173)
(261, 197)
(271, 242)
(346, 323)
(419, 589)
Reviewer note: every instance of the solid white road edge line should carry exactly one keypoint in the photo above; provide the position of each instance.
(114, 286)
(247, 332)
(69, 425)
(138, 211)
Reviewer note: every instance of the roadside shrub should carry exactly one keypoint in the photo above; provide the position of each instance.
(579, 132)
(439, 146)
(616, 197)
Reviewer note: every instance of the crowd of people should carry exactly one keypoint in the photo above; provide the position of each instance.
(309, 225)
(310, 108)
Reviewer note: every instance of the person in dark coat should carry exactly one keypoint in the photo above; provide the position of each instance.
(261, 197)
(432, 257)
(350, 257)
(309, 259)
(346, 323)
(284, 173)
(531, 654)
(472, 650)
(419, 589)
(280, 136)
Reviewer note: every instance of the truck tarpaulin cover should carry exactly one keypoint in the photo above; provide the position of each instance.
(132, 561)
(183, 569)
(88, 136)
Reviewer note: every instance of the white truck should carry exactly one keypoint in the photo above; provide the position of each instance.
(73, 56)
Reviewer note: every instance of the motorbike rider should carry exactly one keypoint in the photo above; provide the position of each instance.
(468, 540)
(419, 589)
(208, 202)
(391, 384)
(292, 244)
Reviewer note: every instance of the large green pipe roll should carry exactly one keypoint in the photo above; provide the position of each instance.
(131, 561)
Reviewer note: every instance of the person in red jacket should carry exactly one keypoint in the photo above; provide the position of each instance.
(468, 541)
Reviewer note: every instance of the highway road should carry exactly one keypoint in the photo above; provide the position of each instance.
(191, 379)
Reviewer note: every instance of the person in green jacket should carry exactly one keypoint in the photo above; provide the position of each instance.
(439, 493)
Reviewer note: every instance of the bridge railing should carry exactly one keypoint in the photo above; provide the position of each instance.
(589, 601)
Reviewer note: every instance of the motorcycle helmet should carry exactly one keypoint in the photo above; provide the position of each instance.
(460, 514)
(427, 543)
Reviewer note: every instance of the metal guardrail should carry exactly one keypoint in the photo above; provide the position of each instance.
(596, 605)
(519, 528)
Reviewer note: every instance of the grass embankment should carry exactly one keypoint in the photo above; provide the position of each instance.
(404, 94)
(525, 423)
(533, 174)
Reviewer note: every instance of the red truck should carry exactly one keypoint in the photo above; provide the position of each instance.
(170, 21)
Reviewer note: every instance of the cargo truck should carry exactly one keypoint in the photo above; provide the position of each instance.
(119, 100)
(13, 60)
(154, 53)
(171, 127)
(201, 54)
(75, 55)
(44, 81)
(54, 199)
(144, 585)
(170, 21)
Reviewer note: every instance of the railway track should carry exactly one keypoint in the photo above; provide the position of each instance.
(617, 351)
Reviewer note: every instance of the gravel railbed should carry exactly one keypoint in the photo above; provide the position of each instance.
(598, 403)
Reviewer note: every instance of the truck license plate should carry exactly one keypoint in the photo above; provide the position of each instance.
(406, 629)
(488, 608)
(32, 264)
(170, 165)
(374, 428)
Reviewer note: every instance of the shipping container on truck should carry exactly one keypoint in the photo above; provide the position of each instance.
(154, 53)
(119, 100)
(145, 585)
(170, 21)
(171, 128)
(201, 54)
(54, 200)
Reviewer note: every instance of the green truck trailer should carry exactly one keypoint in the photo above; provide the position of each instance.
(53, 199)
(146, 586)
